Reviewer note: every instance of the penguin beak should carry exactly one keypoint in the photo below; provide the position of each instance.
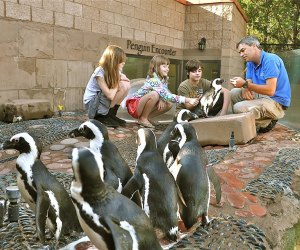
(221, 81)
(194, 116)
(8, 145)
(75, 133)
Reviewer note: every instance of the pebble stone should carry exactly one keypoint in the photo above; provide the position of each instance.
(69, 141)
(244, 183)
(57, 147)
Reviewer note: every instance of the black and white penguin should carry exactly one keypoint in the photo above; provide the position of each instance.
(184, 115)
(47, 197)
(209, 98)
(158, 189)
(189, 171)
(109, 219)
(117, 171)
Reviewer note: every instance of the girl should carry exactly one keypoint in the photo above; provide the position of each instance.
(111, 85)
(154, 97)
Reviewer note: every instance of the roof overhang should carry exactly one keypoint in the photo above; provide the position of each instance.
(200, 2)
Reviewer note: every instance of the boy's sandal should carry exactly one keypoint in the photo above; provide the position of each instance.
(146, 124)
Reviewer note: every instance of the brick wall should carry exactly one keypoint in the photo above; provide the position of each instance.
(223, 26)
(48, 48)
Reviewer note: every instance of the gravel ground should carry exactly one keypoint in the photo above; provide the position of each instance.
(224, 232)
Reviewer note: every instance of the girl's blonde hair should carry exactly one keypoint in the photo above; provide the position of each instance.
(155, 63)
(109, 61)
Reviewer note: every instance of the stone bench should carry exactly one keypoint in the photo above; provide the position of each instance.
(217, 130)
(27, 109)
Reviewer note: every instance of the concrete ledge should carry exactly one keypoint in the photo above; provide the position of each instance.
(27, 109)
(217, 130)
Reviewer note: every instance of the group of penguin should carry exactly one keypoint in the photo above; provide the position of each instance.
(115, 207)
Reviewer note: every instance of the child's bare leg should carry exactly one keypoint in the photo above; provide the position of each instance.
(146, 105)
(124, 87)
(157, 112)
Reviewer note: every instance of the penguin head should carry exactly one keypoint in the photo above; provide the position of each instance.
(177, 135)
(174, 148)
(24, 143)
(87, 168)
(146, 140)
(91, 129)
(185, 115)
(217, 83)
(182, 133)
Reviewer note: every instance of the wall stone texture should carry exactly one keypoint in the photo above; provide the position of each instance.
(51, 47)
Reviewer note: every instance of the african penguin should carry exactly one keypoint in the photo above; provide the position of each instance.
(189, 171)
(209, 98)
(171, 151)
(184, 115)
(159, 191)
(108, 218)
(47, 197)
(117, 171)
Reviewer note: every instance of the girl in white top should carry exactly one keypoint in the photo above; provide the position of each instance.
(112, 85)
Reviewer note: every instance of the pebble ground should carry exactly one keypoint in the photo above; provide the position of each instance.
(236, 169)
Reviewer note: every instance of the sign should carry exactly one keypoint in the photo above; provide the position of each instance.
(140, 48)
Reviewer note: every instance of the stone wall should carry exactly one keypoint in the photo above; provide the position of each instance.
(48, 48)
(223, 25)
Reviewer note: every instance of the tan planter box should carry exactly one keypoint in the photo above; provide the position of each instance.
(217, 130)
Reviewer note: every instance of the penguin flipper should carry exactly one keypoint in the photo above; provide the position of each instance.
(181, 200)
(133, 185)
(121, 237)
(216, 182)
(111, 179)
(42, 207)
(168, 156)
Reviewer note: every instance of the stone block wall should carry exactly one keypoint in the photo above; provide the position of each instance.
(49, 48)
(223, 25)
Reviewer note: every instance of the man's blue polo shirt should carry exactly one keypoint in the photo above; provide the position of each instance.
(271, 66)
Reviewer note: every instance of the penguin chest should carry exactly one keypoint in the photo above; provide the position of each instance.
(145, 195)
(95, 238)
(25, 193)
(175, 168)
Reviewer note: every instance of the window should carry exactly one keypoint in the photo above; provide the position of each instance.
(137, 67)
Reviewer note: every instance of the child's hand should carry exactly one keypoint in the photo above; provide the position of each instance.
(161, 105)
(192, 101)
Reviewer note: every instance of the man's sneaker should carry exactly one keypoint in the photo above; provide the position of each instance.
(269, 127)
(107, 121)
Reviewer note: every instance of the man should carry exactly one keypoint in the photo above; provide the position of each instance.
(266, 92)
(195, 86)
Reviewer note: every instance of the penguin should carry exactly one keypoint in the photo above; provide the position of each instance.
(173, 148)
(47, 197)
(189, 171)
(108, 218)
(117, 171)
(209, 98)
(159, 191)
(184, 115)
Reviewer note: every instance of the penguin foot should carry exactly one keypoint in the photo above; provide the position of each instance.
(205, 220)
